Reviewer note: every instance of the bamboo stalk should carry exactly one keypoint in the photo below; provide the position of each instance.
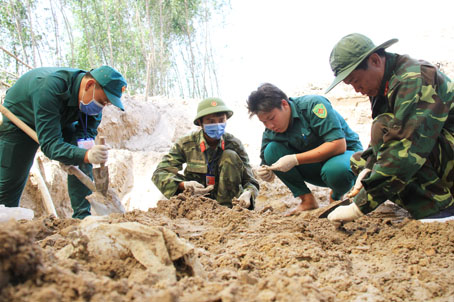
(17, 59)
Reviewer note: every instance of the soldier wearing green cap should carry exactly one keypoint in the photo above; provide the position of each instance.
(411, 154)
(305, 141)
(216, 162)
(63, 106)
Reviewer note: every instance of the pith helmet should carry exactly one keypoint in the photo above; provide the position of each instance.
(349, 52)
(209, 106)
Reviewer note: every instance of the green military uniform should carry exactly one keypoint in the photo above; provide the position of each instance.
(46, 99)
(313, 122)
(229, 163)
(412, 140)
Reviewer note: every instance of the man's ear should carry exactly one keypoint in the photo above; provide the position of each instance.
(375, 60)
(89, 83)
(284, 104)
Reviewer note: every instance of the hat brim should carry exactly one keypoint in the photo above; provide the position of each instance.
(207, 112)
(114, 100)
(345, 73)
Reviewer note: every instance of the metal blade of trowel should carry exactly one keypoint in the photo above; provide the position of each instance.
(101, 174)
(332, 206)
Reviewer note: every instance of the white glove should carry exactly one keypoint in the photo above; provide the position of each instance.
(98, 154)
(245, 199)
(66, 168)
(197, 188)
(345, 213)
(358, 184)
(285, 163)
(265, 173)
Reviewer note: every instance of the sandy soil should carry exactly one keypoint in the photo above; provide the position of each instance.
(191, 249)
(205, 252)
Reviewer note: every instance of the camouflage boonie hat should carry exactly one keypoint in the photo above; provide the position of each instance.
(209, 106)
(349, 52)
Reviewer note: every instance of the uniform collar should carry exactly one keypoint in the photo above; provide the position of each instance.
(389, 68)
(204, 145)
(294, 113)
(77, 79)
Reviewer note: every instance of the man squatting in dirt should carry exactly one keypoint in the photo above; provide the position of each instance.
(216, 162)
(305, 140)
(411, 153)
(63, 106)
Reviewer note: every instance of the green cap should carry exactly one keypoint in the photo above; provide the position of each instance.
(112, 82)
(349, 52)
(209, 106)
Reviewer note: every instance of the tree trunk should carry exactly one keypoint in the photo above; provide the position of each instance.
(109, 38)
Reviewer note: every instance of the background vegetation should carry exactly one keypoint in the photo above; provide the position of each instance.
(162, 47)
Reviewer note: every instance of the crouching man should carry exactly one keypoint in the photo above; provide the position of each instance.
(305, 140)
(217, 164)
(411, 155)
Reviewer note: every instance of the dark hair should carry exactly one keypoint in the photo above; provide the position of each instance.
(364, 65)
(88, 75)
(217, 114)
(265, 98)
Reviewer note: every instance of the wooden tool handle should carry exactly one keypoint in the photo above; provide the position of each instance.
(102, 141)
(83, 178)
(16, 121)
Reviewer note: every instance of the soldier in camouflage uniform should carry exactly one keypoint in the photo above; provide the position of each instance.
(411, 155)
(216, 162)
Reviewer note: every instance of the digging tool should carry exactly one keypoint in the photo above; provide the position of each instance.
(333, 206)
(101, 174)
(346, 201)
(103, 203)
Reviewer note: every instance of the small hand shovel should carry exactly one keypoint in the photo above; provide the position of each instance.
(101, 174)
(333, 206)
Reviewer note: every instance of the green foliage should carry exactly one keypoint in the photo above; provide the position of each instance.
(143, 39)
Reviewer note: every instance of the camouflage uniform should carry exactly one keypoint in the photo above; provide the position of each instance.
(412, 140)
(229, 160)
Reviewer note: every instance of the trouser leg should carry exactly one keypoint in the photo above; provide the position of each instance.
(334, 173)
(77, 191)
(17, 153)
(295, 178)
(229, 182)
(337, 175)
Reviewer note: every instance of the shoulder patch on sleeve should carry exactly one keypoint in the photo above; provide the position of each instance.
(320, 111)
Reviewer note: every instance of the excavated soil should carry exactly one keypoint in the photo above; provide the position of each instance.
(213, 253)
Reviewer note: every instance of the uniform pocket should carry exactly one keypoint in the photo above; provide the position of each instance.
(6, 151)
(194, 167)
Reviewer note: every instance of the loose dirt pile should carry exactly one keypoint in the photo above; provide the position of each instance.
(191, 249)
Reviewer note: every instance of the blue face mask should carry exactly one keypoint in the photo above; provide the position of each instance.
(214, 130)
(93, 107)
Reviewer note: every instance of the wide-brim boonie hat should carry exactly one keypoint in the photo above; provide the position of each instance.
(349, 52)
(112, 82)
(209, 106)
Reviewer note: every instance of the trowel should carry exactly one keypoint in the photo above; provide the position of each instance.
(333, 206)
(101, 174)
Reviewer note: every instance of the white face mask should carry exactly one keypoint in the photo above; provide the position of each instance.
(93, 107)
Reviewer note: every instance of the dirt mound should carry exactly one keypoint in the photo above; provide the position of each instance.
(207, 252)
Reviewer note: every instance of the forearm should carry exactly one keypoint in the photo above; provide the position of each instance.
(167, 183)
(322, 152)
